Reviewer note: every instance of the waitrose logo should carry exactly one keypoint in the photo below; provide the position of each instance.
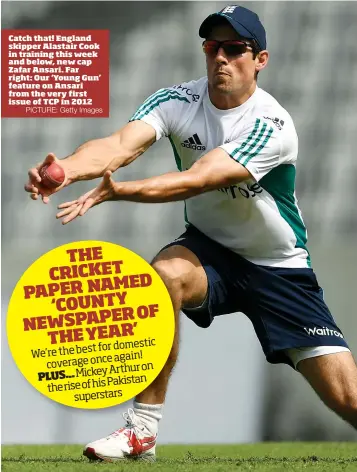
(322, 332)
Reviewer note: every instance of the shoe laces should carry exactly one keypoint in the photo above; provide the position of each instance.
(131, 424)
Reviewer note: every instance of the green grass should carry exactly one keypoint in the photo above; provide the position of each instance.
(264, 457)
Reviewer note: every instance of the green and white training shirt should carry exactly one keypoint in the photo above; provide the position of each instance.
(258, 218)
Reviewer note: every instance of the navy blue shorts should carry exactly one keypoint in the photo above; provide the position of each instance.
(285, 306)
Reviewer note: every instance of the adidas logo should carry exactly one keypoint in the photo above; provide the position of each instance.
(277, 122)
(194, 143)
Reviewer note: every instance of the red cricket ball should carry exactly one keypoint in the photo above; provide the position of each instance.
(52, 175)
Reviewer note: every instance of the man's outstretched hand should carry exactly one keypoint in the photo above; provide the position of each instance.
(34, 185)
(104, 192)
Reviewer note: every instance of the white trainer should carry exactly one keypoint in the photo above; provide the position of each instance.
(133, 441)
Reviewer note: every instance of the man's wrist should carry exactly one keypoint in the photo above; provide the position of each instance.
(119, 191)
(71, 173)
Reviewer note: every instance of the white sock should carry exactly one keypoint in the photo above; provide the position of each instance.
(149, 415)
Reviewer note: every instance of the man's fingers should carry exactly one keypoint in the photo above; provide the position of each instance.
(49, 159)
(66, 211)
(107, 176)
(34, 186)
(88, 204)
(67, 204)
(29, 187)
(34, 175)
(84, 197)
(72, 215)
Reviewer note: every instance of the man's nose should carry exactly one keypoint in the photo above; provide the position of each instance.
(221, 56)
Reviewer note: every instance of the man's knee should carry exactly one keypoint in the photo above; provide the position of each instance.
(170, 272)
(183, 274)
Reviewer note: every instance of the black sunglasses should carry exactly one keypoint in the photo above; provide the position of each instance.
(230, 47)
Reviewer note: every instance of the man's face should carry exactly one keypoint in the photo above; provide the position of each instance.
(229, 74)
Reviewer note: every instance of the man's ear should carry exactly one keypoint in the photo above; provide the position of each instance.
(261, 61)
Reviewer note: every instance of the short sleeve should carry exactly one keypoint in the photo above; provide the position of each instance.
(160, 111)
(257, 148)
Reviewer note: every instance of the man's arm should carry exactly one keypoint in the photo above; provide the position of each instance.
(215, 170)
(94, 158)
